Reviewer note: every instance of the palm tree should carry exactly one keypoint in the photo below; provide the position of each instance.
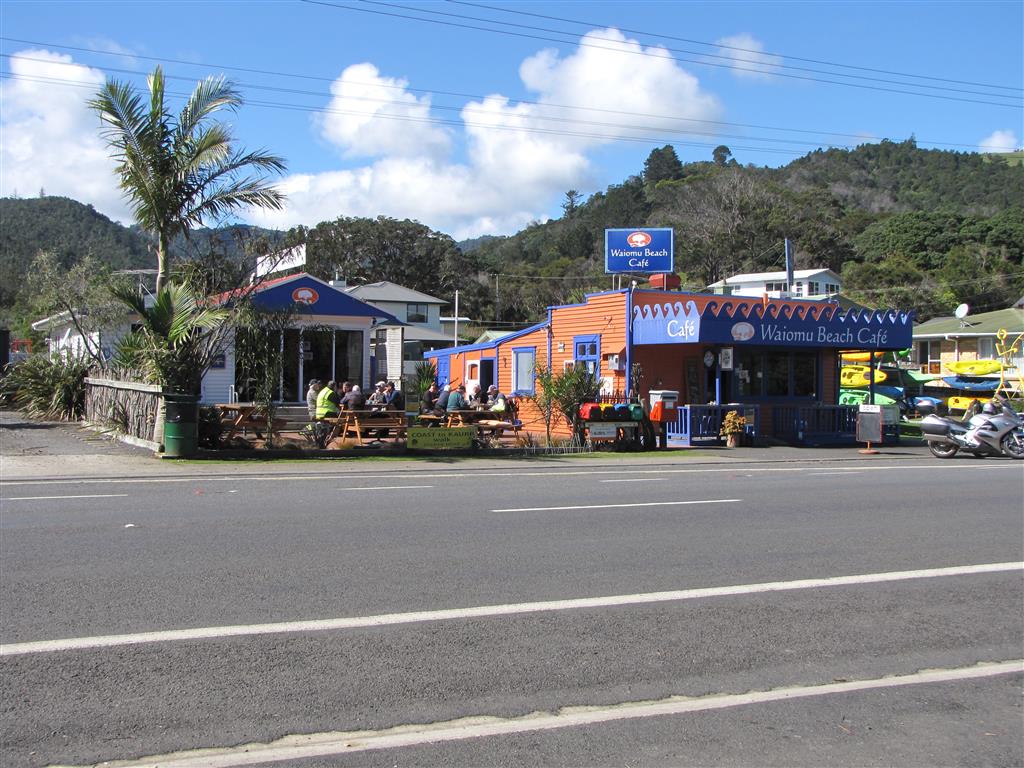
(179, 171)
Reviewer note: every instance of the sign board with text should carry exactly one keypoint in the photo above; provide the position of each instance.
(440, 438)
(648, 251)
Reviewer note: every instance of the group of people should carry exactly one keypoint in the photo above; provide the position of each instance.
(447, 400)
(330, 399)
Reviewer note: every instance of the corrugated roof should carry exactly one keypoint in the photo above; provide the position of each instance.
(755, 277)
(388, 291)
(983, 324)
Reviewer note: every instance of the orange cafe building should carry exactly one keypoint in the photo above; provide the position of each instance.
(775, 354)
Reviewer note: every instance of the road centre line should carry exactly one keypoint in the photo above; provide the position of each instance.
(463, 475)
(384, 487)
(313, 745)
(81, 496)
(510, 609)
(621, 506)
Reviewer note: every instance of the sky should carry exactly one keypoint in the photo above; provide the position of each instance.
(476, 117)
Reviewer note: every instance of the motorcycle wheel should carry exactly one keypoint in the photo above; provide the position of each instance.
(1013, 445)
(942, 450)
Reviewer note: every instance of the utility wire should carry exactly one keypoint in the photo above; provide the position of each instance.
(654, 55)
(731, 59)
(857, 137)
(663, 36)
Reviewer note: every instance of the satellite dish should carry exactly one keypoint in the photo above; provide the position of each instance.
(961, 312)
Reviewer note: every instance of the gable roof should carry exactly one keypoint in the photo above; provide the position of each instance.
(313, 295)
(388, 291)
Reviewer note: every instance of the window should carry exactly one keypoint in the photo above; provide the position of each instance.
(986, 349)
(416, 313)
(812, 288)
(524, 362)
(805, 374)
(776, 287)
(929, 356)
(586, 352)
(776, 375)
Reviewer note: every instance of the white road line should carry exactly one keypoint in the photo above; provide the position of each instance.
(510, 609)
(385, 487)
(620, 506)
(313, 745)
(734, 469)
(82, 496)
(839, 472)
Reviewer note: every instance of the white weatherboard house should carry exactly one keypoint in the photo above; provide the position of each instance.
(807, 284)
(422, 330)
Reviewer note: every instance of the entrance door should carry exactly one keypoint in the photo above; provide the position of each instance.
(316, 356)
(487, 375)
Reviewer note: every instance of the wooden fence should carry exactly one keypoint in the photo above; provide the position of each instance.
(130, 407)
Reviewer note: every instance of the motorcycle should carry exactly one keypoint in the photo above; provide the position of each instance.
(998, 432)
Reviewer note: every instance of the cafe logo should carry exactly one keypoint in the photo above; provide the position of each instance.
(638, 239)
(743, 332)
(305, 296)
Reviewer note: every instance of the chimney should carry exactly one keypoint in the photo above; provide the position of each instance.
(666, 282)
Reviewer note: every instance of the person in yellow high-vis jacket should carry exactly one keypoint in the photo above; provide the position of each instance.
(327, 401)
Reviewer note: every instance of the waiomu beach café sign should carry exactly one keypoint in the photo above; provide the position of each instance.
(681, 321)
(646, 251)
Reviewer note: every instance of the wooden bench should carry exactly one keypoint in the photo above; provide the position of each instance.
(498, 428)
(360, 422)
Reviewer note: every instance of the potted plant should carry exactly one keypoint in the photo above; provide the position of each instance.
(733, 426)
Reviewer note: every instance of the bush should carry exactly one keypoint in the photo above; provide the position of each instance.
(48, 387)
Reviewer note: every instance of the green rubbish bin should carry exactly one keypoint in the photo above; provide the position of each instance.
(181, 433)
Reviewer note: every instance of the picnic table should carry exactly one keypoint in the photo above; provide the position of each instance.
(357, 422)
(241, 416)
(483, 420)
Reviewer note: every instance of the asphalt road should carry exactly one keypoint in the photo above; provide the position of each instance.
(428, 549)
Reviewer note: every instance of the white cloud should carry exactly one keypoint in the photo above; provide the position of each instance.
(373, 115)
(50, 138)
(999, 141)
(748, 59)
(520, 157)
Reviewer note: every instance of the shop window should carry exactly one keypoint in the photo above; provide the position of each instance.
(748, 373)
(805, 374)
(524, 363)
(929, 356)
(416, 313)
(776, 375)
(776, 287)
(586, 353)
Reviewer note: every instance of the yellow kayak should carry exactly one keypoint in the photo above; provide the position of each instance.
(859, 357)
(963, 402)
(975, 367)
(859, 376)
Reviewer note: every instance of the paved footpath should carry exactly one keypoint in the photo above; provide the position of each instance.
(34, 450)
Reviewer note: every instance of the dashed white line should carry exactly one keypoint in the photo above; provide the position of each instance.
(81, 496)
(318, 745)
(620, 506)
(385, 487)
(450, 614)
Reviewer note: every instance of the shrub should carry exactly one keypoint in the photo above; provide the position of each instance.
(48, 387)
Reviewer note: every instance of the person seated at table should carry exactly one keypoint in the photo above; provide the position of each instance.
(441, 404)
(429, 398)
(394, 400)
(327, 401)
(457, 400)
(314, 389)
(474, 399)
(354, 400)
(377, 400)
(496, 401)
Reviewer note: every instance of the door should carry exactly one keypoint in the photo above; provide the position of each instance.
(443, 370)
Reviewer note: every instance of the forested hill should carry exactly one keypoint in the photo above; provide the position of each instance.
(65, 227)
(906, 227)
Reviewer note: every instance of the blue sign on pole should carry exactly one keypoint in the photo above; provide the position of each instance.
(639, 250)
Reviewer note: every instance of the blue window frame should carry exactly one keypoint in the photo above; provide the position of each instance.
(586, 351)
(524, 370)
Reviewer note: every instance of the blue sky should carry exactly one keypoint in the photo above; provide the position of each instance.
(475, 132)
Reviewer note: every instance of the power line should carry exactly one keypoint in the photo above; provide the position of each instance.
(734, 47)
(573, 108)
(654, 55)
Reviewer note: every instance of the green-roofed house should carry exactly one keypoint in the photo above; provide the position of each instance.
(943, 340)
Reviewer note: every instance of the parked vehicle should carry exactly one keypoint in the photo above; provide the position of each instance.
(997, 430)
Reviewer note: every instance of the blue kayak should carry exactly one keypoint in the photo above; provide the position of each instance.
(971, 384)
(888, 390)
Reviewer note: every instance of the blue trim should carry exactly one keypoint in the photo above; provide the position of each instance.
(629, 345)
(515, 371)
(485, 345)
(589, 338)
(588, 296)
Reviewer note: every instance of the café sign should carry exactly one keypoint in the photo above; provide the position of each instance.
(647, 251)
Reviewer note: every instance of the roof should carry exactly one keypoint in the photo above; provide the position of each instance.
(419, 333)
(486, 336)
(387, 291)
(983, 324)
(758, 277)
(312, 295)
(487, 344)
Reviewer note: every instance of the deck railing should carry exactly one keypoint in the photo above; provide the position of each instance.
(826, 424)
(703, 423)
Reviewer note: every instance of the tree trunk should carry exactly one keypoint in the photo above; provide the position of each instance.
(161, 261)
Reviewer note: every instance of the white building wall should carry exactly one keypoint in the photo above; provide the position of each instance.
(219, 383)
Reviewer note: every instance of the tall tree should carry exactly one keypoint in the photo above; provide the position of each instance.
(662, 164)
(178, 171)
